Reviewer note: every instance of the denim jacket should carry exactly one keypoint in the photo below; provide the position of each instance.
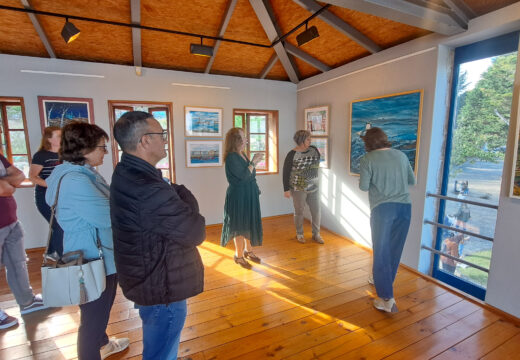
(83, 211)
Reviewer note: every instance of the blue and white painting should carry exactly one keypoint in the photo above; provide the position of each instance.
(203, 121)
(203, 153)
(59, 111)
(399, 116)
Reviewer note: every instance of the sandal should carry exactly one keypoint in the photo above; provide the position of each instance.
(242, 262)
(249, 255)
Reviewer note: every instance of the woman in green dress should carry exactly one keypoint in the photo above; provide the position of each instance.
(242, 219)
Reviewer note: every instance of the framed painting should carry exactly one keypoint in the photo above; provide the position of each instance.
(322, 144)
(317, 120)
(399, 115)
(203, 153)
(515, 174)
(202, 122)
(59, 111)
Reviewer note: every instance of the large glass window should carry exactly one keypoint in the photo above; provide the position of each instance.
(479, 125)
(261, 129)
(162, 113)
(14, 139)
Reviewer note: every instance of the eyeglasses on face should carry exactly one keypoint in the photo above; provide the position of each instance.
(104, 147)
(164, 134)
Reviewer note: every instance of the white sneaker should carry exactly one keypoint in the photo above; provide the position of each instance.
(318, 239)
(385, 305)
(114, 346)
(300, 239)
(370, 279)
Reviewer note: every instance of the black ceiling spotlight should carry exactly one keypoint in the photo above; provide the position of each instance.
(70, 32)
(307, 35)
(201, 50)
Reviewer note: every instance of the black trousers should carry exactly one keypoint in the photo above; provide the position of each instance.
(92, 335)
(56, 243)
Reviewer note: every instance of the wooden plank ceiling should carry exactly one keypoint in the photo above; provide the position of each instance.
(349, 30)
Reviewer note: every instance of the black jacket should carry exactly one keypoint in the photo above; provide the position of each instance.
(156, 228)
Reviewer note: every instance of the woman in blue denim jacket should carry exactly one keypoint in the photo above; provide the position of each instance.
(83, 212)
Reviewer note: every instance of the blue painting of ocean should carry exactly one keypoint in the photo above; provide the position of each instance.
(203, 122)
(397, 115)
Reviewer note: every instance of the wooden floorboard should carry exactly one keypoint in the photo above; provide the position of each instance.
(303, 302)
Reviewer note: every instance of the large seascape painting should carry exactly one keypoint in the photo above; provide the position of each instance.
(59, 111)
(203, 122)
(399, 115)
(515, 176)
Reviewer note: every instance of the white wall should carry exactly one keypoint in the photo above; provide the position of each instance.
(426, 64)
(120, 83)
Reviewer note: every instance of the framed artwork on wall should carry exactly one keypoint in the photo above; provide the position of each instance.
(202, 121)
(59, 111)
(322, 144)
(399, 115)
(317, 120)
(203, 153)
(515, 174)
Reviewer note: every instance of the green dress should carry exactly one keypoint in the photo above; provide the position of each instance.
(242, 207)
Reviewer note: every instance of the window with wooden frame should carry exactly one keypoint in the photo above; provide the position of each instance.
(15, 141)
(261, 130)
(162, 112)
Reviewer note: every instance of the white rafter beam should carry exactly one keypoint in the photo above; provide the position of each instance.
(300, 54)
(268, 66)
(135, 15)
(39, 30)
(407, 12)
(223, 27)
(340, 25)
(460, 8)
(268, 24)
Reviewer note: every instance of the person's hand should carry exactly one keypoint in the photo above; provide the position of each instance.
(287, 194)
(257, 158)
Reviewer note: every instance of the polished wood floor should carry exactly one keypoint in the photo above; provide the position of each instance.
(305, 301)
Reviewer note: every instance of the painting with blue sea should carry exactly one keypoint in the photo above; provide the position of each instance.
(203, 121)
(399, 115)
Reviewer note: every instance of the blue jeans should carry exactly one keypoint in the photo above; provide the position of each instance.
(389, 223)
(162, 326)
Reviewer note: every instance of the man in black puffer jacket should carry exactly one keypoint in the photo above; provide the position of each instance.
(156, 228)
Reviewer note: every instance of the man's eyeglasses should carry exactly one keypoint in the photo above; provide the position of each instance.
(164, 134)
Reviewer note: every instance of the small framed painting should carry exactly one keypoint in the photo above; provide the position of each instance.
(317, 120)
(322, 144)
(59, 111)
(202, 121)
(203, 153)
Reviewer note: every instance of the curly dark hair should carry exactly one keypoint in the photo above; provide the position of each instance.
(375, 138)
(78, 139)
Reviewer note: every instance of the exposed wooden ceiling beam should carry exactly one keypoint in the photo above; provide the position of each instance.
(268, 66)
(295, 51)
(338, 24)
(272, 33)
(229, 11)
(406, 12)
(135, 15)
(39, 30)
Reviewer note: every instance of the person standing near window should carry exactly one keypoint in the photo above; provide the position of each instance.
(386, 174)
(301, 181)
(242, 217)
(43, 163)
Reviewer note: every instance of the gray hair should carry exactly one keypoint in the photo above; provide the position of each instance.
(300, 136)
(129, 129)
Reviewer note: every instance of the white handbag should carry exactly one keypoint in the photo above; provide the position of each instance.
(71, 280)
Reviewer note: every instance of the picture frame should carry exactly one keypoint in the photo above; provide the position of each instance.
(514, 191)
(203, 153)
(317, 120)
(202, 121)
(399, 115)
(59, 111)
(322, 144)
